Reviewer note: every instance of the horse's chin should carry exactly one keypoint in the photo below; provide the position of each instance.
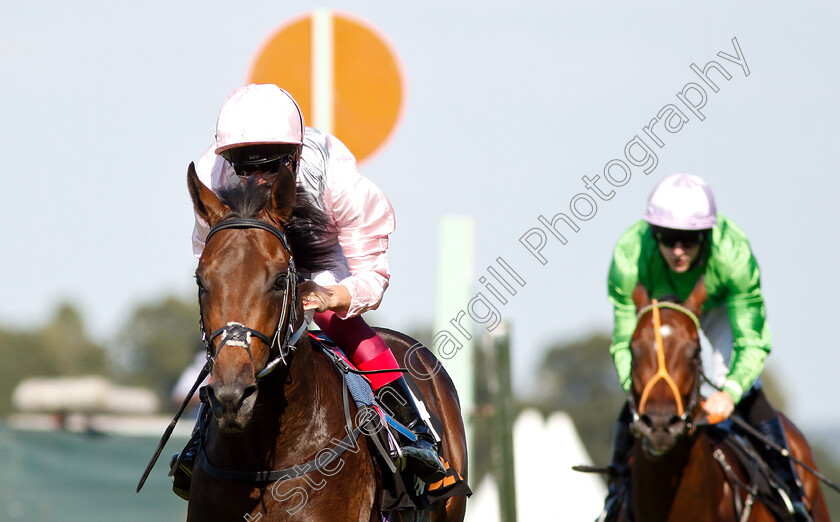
(232, 424)
(658, 445)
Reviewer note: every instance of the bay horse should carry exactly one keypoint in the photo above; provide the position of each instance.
(674, 472)
(276, 402)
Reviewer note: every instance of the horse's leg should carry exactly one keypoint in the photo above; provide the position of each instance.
(456, 446)
(800, 449)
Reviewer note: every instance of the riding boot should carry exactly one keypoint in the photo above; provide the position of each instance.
(773, 430)
(182, 475)
(421, 455)
(619, 470)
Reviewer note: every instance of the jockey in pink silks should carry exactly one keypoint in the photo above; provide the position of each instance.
(260, 128)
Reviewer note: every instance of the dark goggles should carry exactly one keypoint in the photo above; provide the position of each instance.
(669, 237)
(260, 158)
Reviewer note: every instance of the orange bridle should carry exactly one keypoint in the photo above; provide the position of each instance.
(662, 370)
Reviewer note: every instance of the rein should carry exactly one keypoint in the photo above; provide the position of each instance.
(236, 334)
(662, 370)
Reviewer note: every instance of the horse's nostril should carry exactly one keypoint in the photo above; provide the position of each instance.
(213, 401)
(248, 391)
(647, 420)
(211, 395)
(230, 398)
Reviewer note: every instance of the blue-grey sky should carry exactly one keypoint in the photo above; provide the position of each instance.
(509, 105)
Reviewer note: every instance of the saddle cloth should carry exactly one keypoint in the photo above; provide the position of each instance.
(401, 489)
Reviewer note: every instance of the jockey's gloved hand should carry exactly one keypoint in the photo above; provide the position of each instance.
(719, 406)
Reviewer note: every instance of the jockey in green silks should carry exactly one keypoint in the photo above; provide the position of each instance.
(680, 239)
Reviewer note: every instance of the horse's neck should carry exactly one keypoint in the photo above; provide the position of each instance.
(677, 482)
(291, 391)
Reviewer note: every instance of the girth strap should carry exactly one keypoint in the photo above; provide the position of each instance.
(316, 464)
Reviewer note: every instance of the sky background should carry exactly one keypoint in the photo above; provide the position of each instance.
(104, 104)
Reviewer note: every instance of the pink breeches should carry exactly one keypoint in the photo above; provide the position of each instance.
(362, 345)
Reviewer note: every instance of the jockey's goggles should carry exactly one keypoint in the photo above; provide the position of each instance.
(669, 237)
(260, 158)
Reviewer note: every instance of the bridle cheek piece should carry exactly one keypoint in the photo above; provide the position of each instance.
(282, 342)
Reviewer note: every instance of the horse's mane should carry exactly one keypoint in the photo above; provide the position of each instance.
(307, 228)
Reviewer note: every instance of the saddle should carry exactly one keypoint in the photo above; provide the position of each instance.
(729, 447)
(762, 482)
(401, 489)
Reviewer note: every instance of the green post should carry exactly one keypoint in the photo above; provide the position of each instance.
(453, 342)
(502, 393)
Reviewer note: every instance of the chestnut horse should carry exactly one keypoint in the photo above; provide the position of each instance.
(674, 473)
(276, 403)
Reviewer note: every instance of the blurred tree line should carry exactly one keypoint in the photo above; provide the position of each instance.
(152, 349)
(161, 338)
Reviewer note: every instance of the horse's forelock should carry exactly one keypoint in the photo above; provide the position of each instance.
(308, 228)
(248, 198)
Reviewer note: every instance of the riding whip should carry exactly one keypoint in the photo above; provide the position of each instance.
(166, 434)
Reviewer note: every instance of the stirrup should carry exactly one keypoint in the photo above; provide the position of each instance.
(181, 479)
(609, 513)
(421, 458)
(181, 464)
(182, 474)
(797, 508)
(801, 513)
(619, 477)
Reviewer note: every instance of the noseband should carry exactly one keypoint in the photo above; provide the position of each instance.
(235, 334)
(662, 371)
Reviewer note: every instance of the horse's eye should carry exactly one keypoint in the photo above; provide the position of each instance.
(280, 282)
(200, 284)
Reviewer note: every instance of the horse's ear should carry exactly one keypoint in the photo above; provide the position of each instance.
(697, 297)
(206, 203)
(640, 296)
(282, 195)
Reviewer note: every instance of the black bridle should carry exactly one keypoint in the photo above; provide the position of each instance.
(282, 342)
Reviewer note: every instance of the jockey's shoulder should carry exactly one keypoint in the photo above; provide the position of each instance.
(729, 240)
(629, 244)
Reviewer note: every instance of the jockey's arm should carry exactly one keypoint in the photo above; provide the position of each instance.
(365, 219)
(750, 334)
(620, 285)
(747, 318)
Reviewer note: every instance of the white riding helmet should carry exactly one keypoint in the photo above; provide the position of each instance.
(259, 114)
(682, 202)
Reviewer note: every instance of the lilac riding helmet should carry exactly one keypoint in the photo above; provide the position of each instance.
(682, 202)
